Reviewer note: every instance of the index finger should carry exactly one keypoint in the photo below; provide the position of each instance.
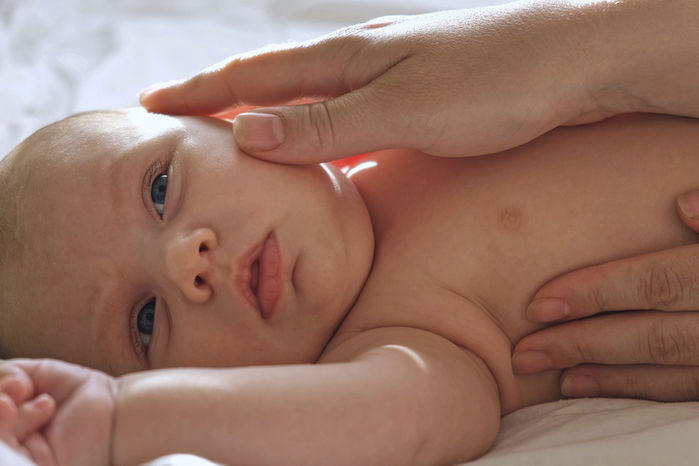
(275, 74)
(253, 78)
(666, 280)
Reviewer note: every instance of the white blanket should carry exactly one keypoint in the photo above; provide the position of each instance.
(58, 57)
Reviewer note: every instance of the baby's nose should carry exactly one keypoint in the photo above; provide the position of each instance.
(187, 262)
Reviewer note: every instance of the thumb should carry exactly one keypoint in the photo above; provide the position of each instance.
(322, 131)
(688, 208)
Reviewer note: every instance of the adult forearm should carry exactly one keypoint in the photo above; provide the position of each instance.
(647, 55)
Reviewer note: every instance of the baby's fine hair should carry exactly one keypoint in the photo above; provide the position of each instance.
(13, 183)
(21, 172)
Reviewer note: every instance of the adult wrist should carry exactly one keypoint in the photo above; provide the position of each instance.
(646, 54)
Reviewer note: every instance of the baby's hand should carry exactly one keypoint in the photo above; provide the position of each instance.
(56, 413)
(20, 416)
(19, 426)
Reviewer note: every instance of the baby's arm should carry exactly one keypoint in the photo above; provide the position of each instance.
(387, 396)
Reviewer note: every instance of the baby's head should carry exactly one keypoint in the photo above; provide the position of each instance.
(122, 230)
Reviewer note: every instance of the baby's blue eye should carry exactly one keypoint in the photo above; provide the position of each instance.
(158, 191)
(145, 321)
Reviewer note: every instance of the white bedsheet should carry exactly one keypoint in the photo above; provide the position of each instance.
(58, 57)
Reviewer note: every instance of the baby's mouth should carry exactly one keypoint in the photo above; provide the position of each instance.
(254, 276)
(259, 276)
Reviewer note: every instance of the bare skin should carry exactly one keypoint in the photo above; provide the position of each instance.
(432, 315)
(379, 359)
(507, 74)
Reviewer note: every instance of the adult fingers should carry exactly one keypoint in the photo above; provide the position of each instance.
(327, 130)
(254, 78)
(329, 66)
(33, 415)
(344, 68)
(666, 280)
(650, 382)
(622, 338)
(351, 123)
(688, 208)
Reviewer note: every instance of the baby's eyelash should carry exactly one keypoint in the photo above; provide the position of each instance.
(160, 167)
(134, 335)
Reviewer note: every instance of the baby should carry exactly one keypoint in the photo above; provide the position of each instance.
(134, 241)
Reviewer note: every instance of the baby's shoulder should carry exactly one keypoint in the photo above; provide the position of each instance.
(411, 311)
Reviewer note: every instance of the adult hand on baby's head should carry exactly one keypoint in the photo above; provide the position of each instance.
(455, 83)
(65, 413)
(647, 354)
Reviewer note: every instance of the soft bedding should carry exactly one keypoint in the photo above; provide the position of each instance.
(64, 56)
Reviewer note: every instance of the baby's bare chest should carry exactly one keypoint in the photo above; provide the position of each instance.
(449, 248)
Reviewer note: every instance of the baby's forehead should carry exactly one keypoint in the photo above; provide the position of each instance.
(97, 136)
(70, 170)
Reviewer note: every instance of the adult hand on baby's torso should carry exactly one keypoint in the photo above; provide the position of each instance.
(650, 354)
(453, 83)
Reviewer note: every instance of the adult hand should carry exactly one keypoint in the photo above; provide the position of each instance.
(454, 83)
(56, 413)
(644, 354)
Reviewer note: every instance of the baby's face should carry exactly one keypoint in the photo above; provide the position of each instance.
(170, 247)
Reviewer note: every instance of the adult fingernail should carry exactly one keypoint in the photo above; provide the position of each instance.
(528, 362)
(258, 131)
(580, 386)
(689, 204)
(547, 310)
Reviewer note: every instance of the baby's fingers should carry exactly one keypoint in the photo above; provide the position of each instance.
(8, 418)
(39, 449)
(16, 383)
(33, 415)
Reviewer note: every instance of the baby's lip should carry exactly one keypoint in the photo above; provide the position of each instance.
(259, 277)
(269, 283)
(244, 276)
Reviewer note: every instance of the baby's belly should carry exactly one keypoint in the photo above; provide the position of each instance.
(492, 230)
